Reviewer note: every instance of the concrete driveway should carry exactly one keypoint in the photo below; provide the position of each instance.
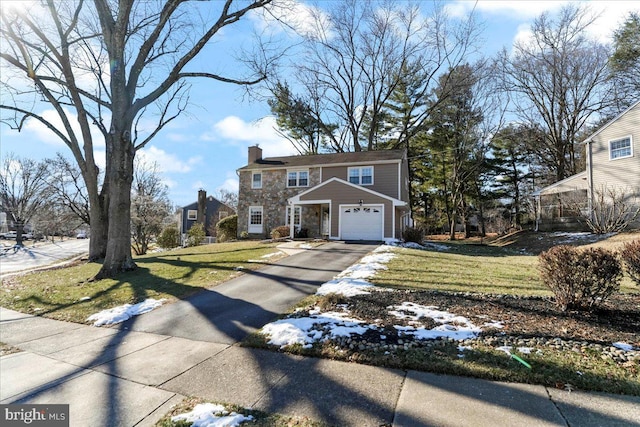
(229, 312)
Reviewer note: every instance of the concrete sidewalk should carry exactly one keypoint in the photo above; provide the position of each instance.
(127, 378)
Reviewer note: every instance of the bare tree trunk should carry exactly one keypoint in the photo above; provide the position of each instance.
(99, 227)
(118, 256)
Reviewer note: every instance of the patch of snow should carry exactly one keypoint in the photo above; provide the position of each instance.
(211, 415)
(444, 331)
(505, 348)
(351, 281)
(271, 255)
(493, 324)
(345, 286)
(305, 246)
(623, 346)
(85, 299)
(307, 330)
(124, 312)
(414, 312)
(525, 350)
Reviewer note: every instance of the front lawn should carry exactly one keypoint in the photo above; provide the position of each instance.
(474, 310)
(70, 294)
(461, 267)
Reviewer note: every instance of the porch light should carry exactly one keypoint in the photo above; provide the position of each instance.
(361, 201)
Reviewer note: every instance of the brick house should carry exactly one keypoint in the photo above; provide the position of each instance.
(340, 196)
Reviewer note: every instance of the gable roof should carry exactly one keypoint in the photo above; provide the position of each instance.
(211, 202)
(396, 202)
(615, 119)
(332, 159)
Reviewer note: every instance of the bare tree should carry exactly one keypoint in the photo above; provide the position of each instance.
(103, 66)
(150, 206)
(351, 64)
(68, 188)
(559, 78)
(23, 185)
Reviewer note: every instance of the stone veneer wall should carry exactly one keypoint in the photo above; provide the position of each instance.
(273, 198)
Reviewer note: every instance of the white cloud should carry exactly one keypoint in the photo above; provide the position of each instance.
(170, 183)
(197, 185)
(46, 135)
(262, 132)
(230, 184)
(168, 162)
(293, 16)
(513, 9)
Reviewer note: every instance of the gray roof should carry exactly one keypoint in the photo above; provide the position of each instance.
(326, 159)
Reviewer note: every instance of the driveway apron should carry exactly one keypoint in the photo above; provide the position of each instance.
(229, 312)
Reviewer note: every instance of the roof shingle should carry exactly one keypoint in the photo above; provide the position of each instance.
(325, 159)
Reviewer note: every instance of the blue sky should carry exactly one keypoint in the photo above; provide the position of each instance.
(203, 149)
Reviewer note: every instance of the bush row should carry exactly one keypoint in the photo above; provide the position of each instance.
(580, 279)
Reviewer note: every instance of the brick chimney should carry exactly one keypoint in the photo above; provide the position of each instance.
(255, 154)
(202, 206)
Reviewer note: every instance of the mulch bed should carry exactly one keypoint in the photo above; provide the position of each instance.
(618, 319)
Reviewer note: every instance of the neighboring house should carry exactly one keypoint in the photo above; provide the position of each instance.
(613, 164)
(342, 196)
(207, 211)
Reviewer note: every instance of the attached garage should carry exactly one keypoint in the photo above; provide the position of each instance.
(362, 222)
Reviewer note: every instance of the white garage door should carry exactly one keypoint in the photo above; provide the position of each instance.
(361, 222)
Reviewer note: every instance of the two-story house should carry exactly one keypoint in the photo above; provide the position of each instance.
(341, 196)
(206, 211)
(613, 166)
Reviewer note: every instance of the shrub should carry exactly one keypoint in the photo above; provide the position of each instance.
(412, 234)
(580, 279)
(227, 228)
(196, 234)
(630, 254)
(169, 238)
(303, 233)
(244, 235)
(281, 231)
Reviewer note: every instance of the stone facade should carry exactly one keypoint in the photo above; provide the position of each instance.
(273, 198)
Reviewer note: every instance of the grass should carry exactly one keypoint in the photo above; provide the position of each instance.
(260, 419)
(465, 267)
(61, 293)
(469, 268)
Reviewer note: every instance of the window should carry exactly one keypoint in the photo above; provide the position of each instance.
(256, 180)
(619, 148)
(297, 214)
(361, 175)
(255, 219)
(297, 178)
(222, 214)
(192, 215)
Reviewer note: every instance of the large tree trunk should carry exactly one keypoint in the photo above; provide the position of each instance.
(99, 225)
(118, 257)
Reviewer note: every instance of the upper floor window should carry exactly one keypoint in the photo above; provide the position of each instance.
(362, 175)
(256, 180)
(192, 215)
(619, 148)
(222, 214)
(297, 178)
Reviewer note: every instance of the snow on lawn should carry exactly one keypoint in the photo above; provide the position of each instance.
(623, 346)
(124, 312)
(351, 281)
(211, 415)
(320, 327)
(316, 327)
(452, 326)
